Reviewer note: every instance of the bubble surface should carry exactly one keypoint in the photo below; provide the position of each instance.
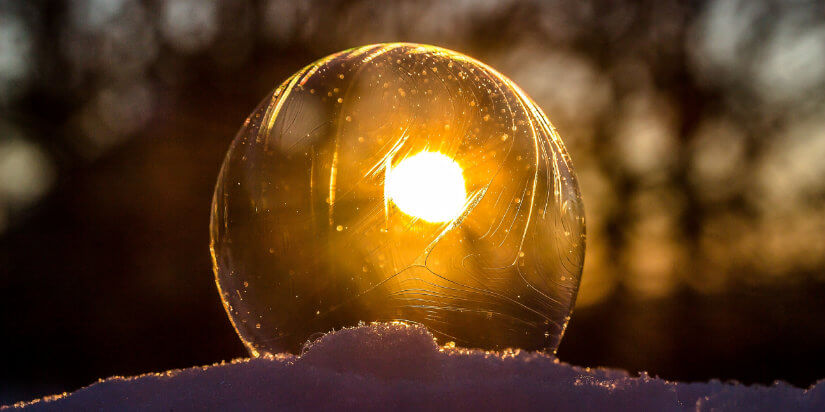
(398, 182)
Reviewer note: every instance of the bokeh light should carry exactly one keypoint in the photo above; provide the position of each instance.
(696, 130)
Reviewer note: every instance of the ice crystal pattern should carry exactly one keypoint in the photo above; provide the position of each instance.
(307, 238)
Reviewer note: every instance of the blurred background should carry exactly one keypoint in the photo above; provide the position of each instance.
(697, 130)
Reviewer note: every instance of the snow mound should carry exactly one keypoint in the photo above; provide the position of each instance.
(400, 367)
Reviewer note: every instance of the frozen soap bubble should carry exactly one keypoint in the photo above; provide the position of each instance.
(398, 182)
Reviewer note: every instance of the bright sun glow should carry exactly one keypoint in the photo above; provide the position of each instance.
(428, 185)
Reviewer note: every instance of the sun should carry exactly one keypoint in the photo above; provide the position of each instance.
(427, 185)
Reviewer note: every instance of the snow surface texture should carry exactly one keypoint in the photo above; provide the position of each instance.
(400, 367)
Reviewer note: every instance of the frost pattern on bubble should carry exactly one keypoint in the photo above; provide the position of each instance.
(306, 237)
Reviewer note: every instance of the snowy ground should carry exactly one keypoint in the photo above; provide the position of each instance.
(399, 367)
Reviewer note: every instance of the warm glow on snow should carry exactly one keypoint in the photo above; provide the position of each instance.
(428, 185)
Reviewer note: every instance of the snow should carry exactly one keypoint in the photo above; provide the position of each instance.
(400, 367)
